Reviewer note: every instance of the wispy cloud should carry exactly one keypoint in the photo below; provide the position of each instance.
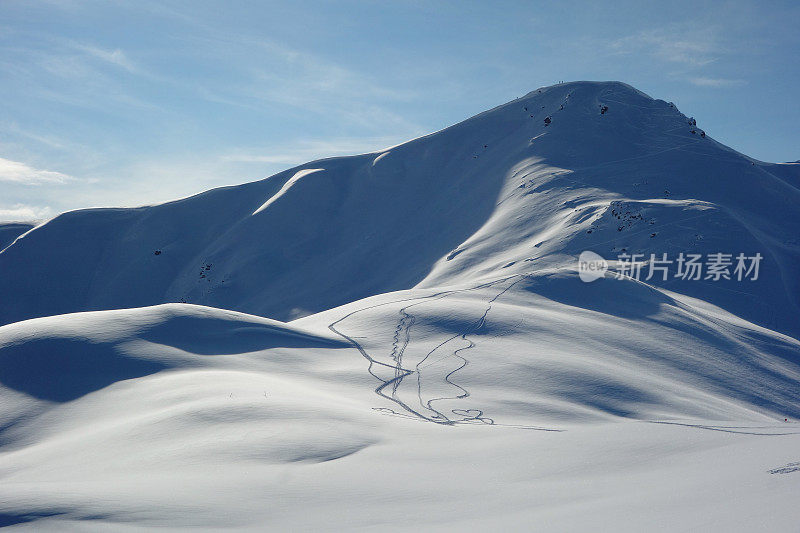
(315, 76)
(703, 81)
(24, 213)
(113, 57)
(308, 150)
(16, 172)
(285, 76)
(689, 52)
(675, 45)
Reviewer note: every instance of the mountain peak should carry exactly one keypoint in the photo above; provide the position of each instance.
(587, 85)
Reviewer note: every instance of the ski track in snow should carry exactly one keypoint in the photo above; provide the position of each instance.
(787, 469)
(741, 430)
(401, 341)
(426, 412)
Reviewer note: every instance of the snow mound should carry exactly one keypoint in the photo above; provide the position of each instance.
(204, 417)
(66, 357)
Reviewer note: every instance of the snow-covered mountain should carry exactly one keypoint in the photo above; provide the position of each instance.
(444, 360)
(455, 206)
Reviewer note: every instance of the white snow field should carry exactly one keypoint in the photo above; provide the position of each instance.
(432, 360)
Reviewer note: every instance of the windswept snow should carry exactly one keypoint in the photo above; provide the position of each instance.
(291, 181)
(444, 368)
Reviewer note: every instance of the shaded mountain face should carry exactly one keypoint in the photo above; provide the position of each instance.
(521, 188)
(11, 230)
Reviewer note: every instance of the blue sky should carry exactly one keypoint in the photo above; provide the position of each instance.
(109, 103)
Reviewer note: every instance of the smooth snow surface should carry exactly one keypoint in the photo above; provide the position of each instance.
(446, 368)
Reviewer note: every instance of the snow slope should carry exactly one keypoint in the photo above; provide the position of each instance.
(185, 416)
(447, 369)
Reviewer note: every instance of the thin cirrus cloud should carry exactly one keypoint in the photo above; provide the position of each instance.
(287, 76)
(16, 172)
(291, 77)
(114, 57)
(302, 151)
(678, 45)
(689, 50)
(703, 81)
(69, 57)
